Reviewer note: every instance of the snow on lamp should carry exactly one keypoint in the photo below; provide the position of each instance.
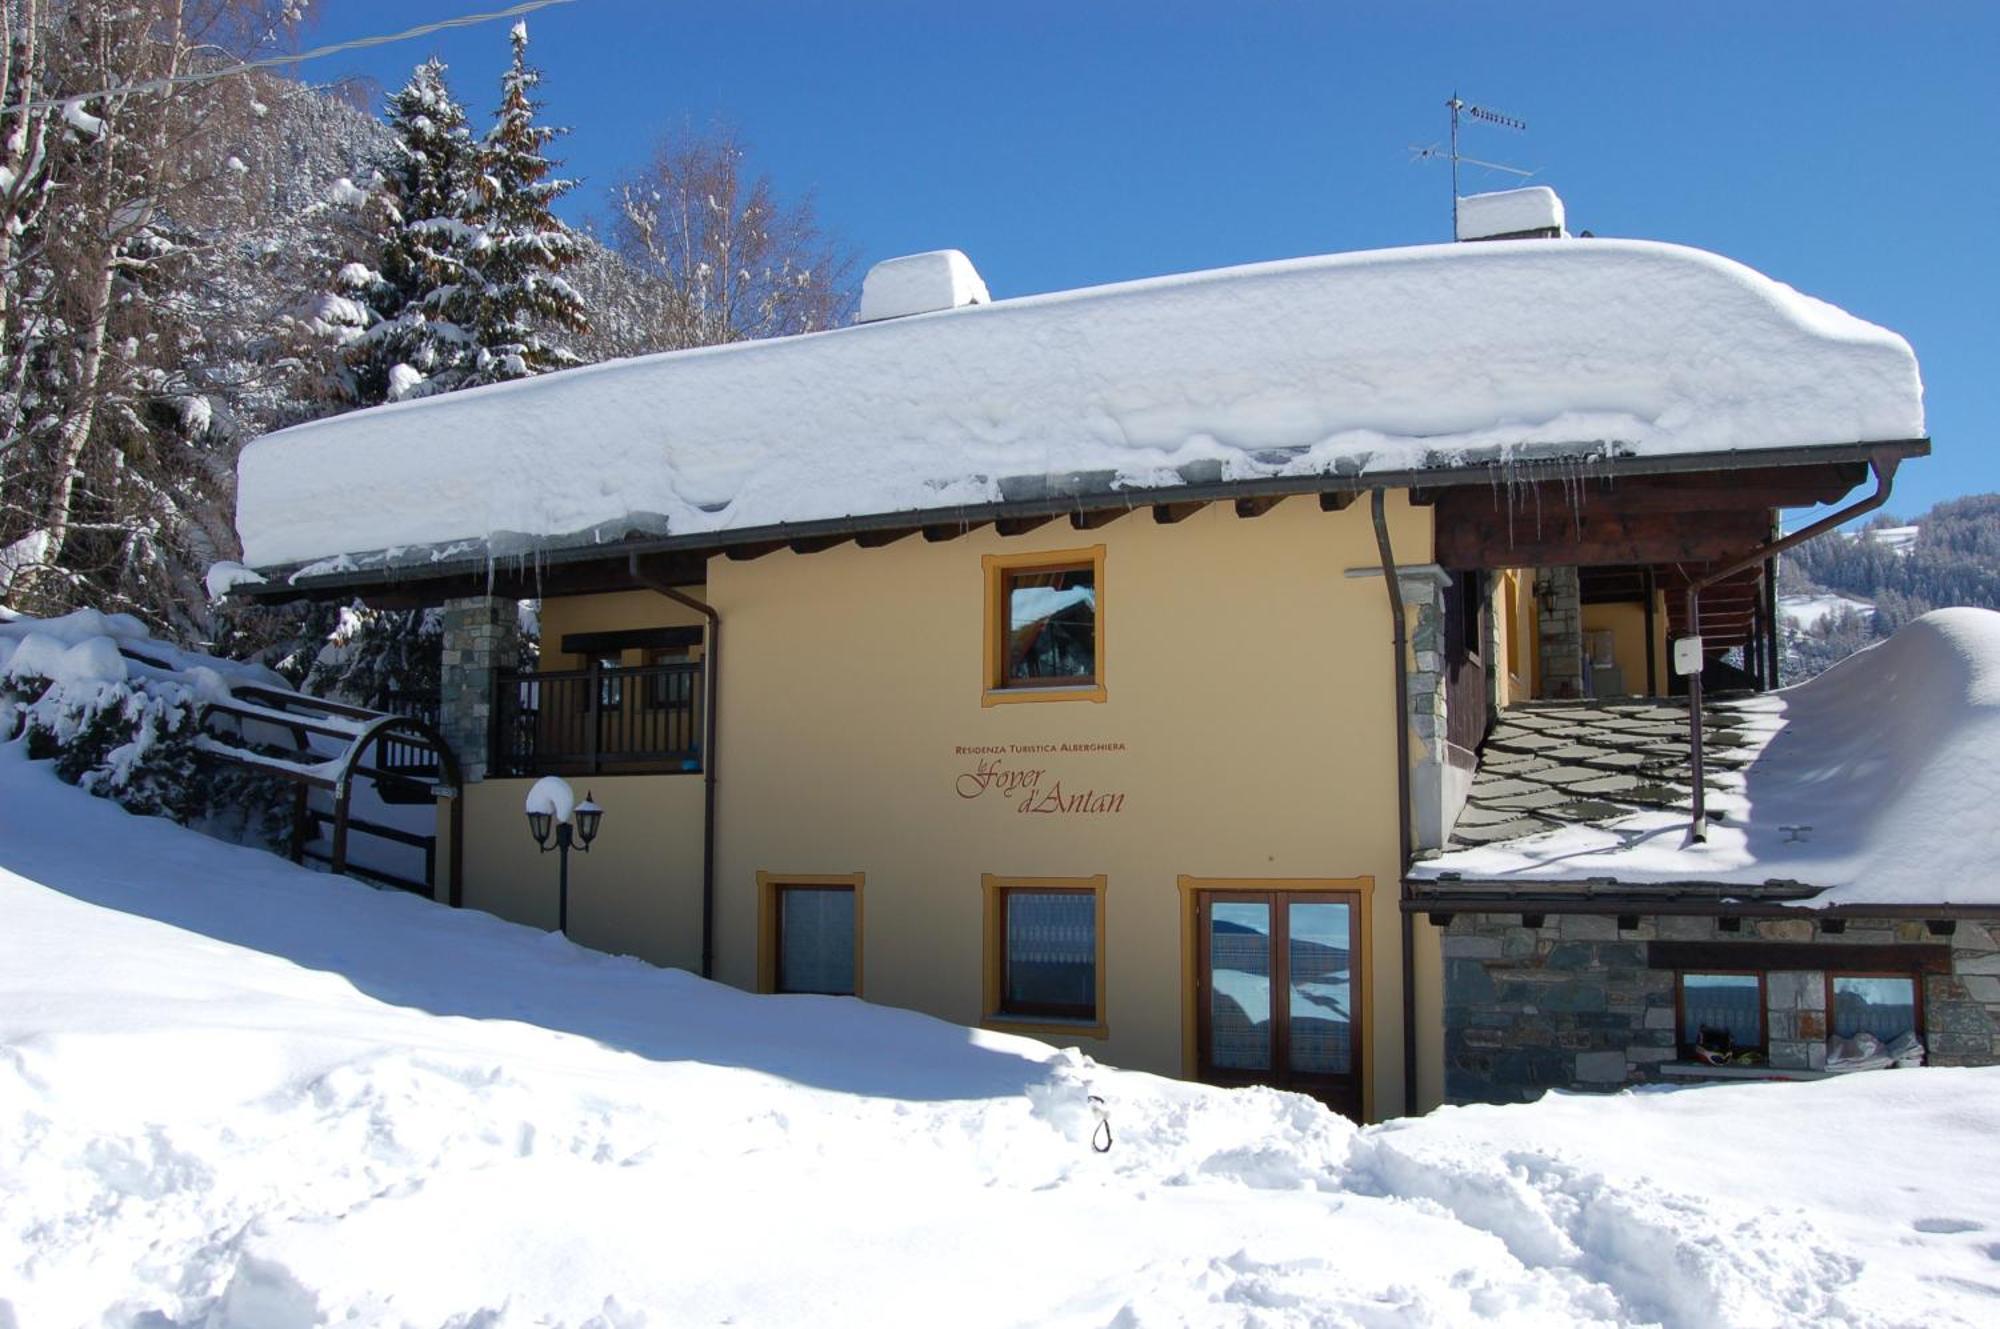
(559, 822)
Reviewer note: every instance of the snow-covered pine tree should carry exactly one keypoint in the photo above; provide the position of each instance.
(524, 303)
(426, 293)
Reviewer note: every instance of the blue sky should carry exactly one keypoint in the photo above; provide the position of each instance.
(1846, 149)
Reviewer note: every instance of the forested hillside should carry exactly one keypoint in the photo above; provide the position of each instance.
(1844, 591)
(192, 255)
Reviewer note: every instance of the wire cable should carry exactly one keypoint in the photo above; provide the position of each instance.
(279, 61)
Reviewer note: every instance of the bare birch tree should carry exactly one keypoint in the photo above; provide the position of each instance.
(728, 258)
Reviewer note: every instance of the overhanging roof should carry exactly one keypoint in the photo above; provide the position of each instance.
(1397, 367)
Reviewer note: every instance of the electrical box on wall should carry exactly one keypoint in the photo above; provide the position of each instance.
(1687, 656)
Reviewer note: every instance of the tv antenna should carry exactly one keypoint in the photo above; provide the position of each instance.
(1462, 110)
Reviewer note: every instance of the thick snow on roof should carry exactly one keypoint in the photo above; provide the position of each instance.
(1877, 780)
(1509, 212)
(1388, 360)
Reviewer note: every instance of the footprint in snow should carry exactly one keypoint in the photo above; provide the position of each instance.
(1945, 1226)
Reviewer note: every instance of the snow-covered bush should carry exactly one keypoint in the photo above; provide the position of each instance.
(126, 726)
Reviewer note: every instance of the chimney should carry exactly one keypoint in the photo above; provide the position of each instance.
(920, 284)
(1534, 213)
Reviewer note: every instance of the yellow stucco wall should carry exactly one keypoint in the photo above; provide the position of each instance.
(1247, 691)
(638, 890)
(1626, 621)
(1246, 726)
(609, 613)
(1514, 603)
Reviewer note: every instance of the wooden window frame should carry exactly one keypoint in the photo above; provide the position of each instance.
(1911, 976)
(1361, 888)
(995, 689)
(1682, 1043)
(770, 917)
(994, 1015)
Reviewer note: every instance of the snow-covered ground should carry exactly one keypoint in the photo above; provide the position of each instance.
(1810, 612)
(1875, 780)
(237, 1094)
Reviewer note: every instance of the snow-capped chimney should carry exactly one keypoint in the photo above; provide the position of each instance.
(1534, 213)
(920, 284)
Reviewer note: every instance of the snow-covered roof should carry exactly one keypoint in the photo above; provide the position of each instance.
(1427, 358)
(1508, 212)
(1876, 781)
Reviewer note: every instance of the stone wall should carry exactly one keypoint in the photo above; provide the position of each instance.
(1572, 1004)
(481, 635)
(1559, 632)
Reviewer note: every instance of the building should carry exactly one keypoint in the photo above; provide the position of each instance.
(1032, 662)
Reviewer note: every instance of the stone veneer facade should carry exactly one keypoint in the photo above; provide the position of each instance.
(1572, 1004)
(1559, 632)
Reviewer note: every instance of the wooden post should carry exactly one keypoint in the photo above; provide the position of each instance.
(340, 792)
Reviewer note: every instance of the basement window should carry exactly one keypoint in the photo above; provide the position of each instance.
(811, 934)
(1045, 951)
(1045, 626)
(1884, 1005)
(1722, 1014)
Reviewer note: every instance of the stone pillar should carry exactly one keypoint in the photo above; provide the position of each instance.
(1439, 778)
(1559, 632)
(481, 636)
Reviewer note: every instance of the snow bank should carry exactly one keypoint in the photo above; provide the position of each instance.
(238, 1094)
(1876, 780)
(1404, 358)
(1509, 212)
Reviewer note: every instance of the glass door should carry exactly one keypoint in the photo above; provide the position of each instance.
(1277, 998)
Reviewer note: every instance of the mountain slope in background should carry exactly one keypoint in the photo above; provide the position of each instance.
(1845, 591)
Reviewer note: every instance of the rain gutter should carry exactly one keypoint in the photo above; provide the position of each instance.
(1399, 630)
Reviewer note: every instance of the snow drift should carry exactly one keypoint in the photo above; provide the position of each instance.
(1877, 780)
(1405, 358)
(241, 1095)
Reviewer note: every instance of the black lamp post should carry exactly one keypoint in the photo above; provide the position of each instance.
(578, 831)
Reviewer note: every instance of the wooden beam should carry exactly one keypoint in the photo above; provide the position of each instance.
(1907, 958)
(1090, 521)
(1470, 534)
(1021, 525)
(939, 534)
(1166, 514)
(876, 539)
(745, 553)
(1256, 507)
(1337, 500)
(817, 543)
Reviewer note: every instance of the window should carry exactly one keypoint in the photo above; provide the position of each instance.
(1722, 1012)
(1045, 951)
(1884, 1005)
(1045, 626)
(810, 934)
(669, 688)
(610, 686)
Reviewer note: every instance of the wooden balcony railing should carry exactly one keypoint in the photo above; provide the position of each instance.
(598, 721)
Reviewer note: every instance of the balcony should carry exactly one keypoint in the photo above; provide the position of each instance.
(638, 720)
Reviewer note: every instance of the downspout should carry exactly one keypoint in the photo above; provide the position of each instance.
(1400, 634)
(710, 678)
(1884, 466)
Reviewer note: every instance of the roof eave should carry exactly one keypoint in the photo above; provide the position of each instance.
(284, 583)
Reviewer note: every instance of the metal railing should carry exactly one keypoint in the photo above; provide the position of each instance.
(646, 718)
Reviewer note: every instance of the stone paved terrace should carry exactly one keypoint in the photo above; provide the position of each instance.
(1549, 764)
